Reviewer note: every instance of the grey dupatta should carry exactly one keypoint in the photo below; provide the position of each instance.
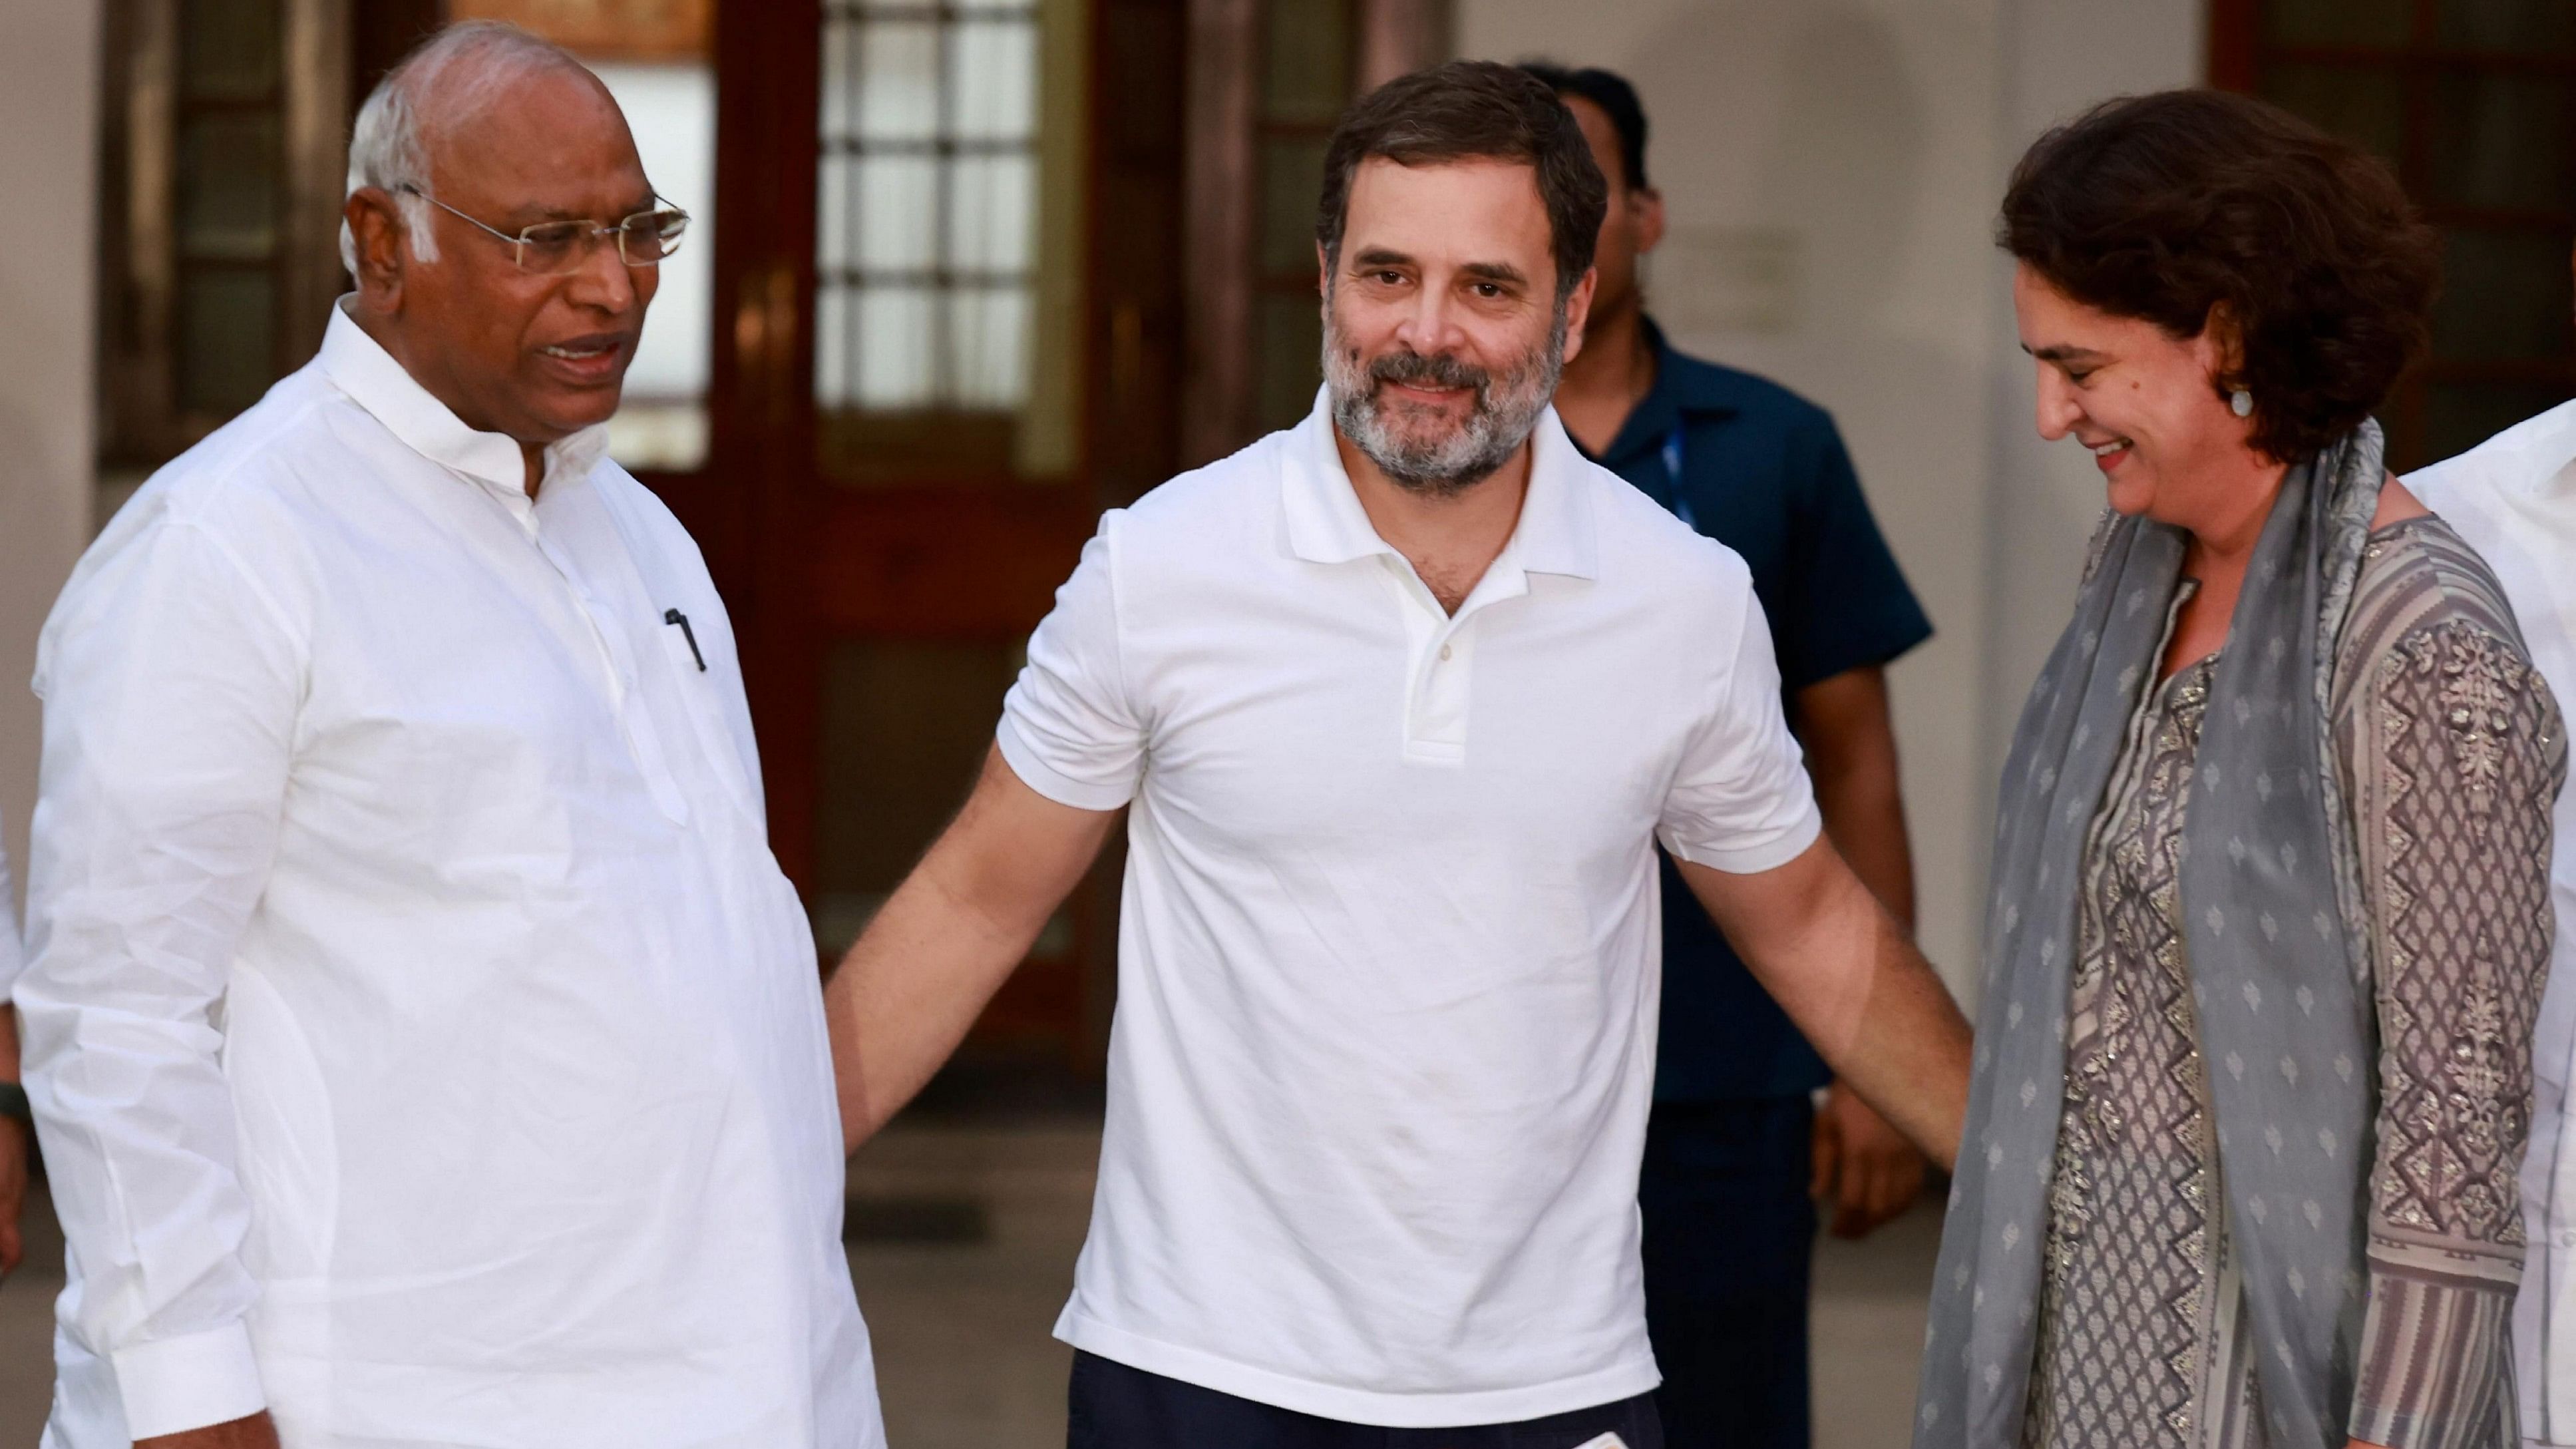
(2271, 906)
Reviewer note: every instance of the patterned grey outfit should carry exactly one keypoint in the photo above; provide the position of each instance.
(2221, 902)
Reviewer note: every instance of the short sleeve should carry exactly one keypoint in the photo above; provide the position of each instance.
(1848, 605)
(1740, 800)
(1069, 729)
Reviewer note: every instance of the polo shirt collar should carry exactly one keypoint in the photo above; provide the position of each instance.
(1679, 389)
(1327, 525)
(360, 366)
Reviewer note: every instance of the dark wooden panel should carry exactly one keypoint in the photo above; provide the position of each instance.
(381, 33)
(945, 564)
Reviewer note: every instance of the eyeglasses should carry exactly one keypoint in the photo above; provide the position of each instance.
(559, 248)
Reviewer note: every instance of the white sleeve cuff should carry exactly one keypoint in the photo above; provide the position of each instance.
(1063, 789)
(1782, 847)
(176, 1384)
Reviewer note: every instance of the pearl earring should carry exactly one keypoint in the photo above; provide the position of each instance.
(2241, 403)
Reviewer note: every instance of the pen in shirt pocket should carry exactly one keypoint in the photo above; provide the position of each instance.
(674, 616)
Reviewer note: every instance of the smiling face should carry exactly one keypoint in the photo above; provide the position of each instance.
(533, 357)
(1443, 338)
(2147, 404)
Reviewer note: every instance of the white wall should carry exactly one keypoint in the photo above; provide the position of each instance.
(1831, 170)
(49, 100)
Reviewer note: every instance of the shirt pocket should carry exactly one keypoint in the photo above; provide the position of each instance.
(696, 688)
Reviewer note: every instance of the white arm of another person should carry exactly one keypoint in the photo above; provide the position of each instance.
(949, 936)
(171, 683)
(1852, 980)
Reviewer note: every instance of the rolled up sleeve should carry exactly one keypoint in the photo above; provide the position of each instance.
(171, 684)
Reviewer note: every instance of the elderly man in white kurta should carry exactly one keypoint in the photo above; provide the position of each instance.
(426, 1047)
(2514, 499)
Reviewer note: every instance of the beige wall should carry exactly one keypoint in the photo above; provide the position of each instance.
(49, 98)
(1831, 170)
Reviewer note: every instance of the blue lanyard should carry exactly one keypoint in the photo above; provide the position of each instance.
(1673, 472)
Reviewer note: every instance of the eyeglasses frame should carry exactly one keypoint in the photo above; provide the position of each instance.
(520, 243)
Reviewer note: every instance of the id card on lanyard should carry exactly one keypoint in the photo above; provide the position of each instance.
(1673, 473)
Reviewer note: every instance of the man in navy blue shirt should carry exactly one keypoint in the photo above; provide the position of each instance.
(1736, 1153)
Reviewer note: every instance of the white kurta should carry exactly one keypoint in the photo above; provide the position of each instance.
(2514, 499)
(424, 1042)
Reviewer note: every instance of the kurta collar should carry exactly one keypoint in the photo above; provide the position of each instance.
(1327, 525)
(360, 367)
(2539, 455)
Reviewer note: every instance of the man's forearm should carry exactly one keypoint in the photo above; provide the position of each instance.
(906, 994)
(949, 937)
(1852, 980)
(1849, 735)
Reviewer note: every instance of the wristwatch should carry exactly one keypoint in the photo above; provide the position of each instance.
(13, 1103)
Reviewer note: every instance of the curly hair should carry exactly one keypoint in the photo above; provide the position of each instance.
(2170, 206)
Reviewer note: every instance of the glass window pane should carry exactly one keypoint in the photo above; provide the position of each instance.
(2505, 296)
(2504, 141)
(1292, 344)
(840, 115)
(671, 108)
(2460, 415)
(898, 75)
(1292, 176)
(2339, 22)
(228, 49)
(228, 185)
(2527, 26)
(992, 69)
(227, 351)
(988, 329)
(835, 212)
(898, 206)
(991, 213)
(1306, 60)
(894, 347)
(2363, 104)
(834, 383)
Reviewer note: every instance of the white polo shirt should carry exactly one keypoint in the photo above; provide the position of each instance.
(1388, 952)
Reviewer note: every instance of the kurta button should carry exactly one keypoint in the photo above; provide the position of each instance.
(1444, 653)
(2567, 1240)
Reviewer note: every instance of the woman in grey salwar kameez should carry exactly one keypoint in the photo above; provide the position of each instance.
(2271, 890)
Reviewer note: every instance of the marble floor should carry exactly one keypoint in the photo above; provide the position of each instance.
(964, 1237)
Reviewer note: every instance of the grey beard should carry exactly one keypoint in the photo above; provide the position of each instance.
(1506, 411)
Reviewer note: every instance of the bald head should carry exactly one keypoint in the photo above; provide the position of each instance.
(485, 132)
(439, 91)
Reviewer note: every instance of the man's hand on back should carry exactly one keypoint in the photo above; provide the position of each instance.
(255, 1432)
(1864, 1166)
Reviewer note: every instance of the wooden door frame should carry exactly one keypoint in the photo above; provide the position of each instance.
(1220, 276)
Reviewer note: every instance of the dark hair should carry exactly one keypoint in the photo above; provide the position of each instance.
(1473, 109)
(1617, 99)
(2163, 207)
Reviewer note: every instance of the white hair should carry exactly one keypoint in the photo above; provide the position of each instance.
(388, 149)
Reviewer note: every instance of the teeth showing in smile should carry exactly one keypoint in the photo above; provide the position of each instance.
(2104, 450)
(575, 353)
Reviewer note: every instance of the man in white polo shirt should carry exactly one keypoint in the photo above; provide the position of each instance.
(1401, 699)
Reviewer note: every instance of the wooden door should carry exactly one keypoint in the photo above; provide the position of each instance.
(943, 345)
(2474, 103)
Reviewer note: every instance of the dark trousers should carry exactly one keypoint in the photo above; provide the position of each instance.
(1117, 1407)
(1729, 1235)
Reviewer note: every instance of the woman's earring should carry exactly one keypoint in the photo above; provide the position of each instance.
(2241, 403)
